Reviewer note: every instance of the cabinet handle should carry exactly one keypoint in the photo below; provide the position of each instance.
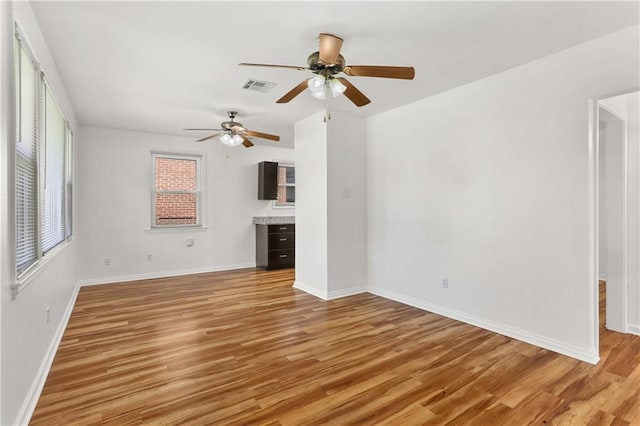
(283, 239)
(284, 228)
(283, 255)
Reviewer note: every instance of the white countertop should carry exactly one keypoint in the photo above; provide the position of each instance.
(273, 220)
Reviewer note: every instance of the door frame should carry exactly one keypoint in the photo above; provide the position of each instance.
(594, 237)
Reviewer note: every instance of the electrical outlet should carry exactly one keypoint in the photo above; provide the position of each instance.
(47, 314)
(190, 242)
(107, 261)
(149, 257)
(445, 283)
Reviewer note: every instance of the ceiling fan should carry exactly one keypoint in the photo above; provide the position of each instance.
(326, 63)
(234, 133)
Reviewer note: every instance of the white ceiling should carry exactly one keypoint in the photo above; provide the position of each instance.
(163, 66)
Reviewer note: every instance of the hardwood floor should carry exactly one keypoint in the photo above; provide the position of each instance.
(244, 347)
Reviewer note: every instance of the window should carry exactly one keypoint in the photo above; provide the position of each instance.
(43, 159)
(26, 174)
(68, 195)
(286, 196)
(176, 191)
(53, 161)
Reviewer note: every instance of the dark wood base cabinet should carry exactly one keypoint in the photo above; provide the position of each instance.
(275, 246)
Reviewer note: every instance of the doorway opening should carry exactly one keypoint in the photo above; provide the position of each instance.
(617, 205)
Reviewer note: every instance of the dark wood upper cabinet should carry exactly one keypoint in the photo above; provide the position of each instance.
(267, 180)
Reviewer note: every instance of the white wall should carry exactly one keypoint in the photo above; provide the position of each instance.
(311, 205)
(346, 204)
(113, 183)
(26, 338)
(491, 190)
(633, 197)
(331, 205)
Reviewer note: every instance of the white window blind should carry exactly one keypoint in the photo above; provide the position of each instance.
(26, 77)
(69, 184)
(53, 202)
(43, 164)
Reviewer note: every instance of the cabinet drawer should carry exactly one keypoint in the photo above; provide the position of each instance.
(277, 229)
(282, 241)
(282, 258)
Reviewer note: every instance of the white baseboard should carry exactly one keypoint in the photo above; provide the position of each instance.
(311, 290)
(163, 274)
(633, 329)
(31, 400)
(330, 295)
(336, 294)
(590, 356)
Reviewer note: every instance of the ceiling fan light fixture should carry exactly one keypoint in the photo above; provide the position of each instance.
(237, 140)
(231, 140)
(322, 94)
(316, 84)
(226, 139)
(336, 87)
(231, 133)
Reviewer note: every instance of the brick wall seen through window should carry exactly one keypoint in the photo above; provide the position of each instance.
(176, 191)
(286, 195)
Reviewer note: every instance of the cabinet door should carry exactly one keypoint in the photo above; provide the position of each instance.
(267, 180)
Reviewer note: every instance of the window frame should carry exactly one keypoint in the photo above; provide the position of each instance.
(285, 205)
(22, 278)
(199, 159)
(21, 44)
(68, 181)
(47, 97)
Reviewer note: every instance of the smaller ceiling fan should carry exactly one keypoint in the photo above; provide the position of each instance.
(326, 63)
(234, 133)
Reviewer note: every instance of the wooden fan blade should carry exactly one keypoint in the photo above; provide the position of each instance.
(262, 135)
(274, 66)
(293, 93)
(354, 95)
(406, 73)
(330, 46)
(246, 142)
(208, 137)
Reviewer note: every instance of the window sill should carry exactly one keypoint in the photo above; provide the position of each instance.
(178, 229)
(25, 281)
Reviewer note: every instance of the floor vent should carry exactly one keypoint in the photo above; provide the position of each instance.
(258, 86)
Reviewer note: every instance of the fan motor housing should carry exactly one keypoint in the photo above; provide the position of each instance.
(318, 67)
(232, 126)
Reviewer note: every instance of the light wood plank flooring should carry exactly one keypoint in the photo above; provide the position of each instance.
(244, 347)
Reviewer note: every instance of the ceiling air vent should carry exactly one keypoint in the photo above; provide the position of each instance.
(258, 86)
